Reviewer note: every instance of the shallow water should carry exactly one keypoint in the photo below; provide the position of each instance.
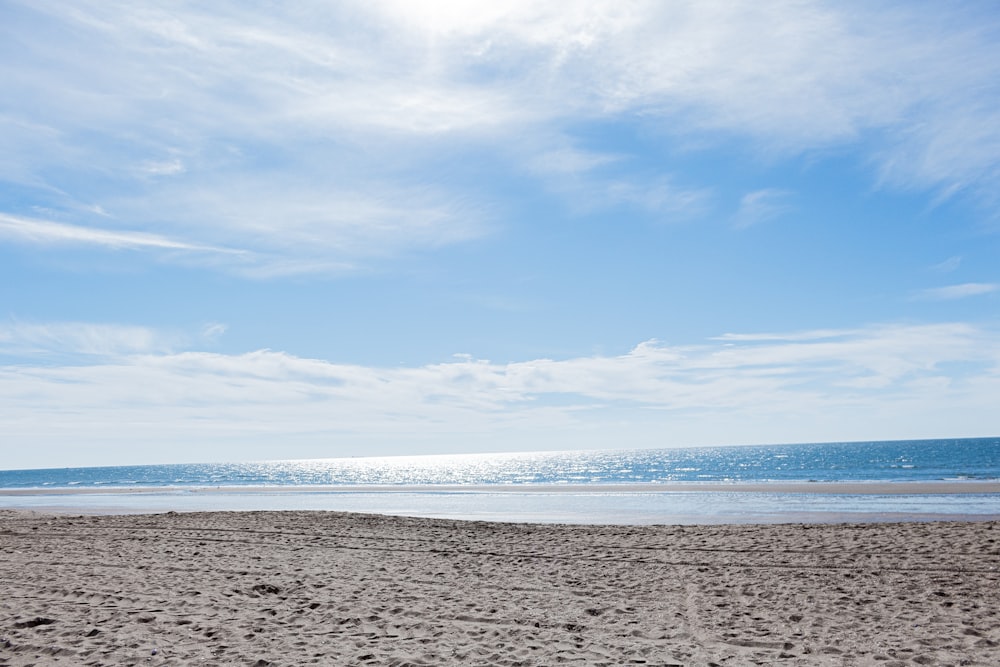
(571, 505)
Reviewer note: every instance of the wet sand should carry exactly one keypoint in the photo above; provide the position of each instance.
(297, 588)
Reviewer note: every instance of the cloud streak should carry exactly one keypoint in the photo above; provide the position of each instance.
(45, 232)
(841, 384)
(760, 206)
(953, 292)
(63, 340)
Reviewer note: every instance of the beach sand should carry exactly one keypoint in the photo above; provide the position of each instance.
(300, 588)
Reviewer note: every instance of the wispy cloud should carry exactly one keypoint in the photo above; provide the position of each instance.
(45, 232)
(795, 336)
(760, 206)
(162, 168)
(147, 110)
(952, 292)
(67, 339)
(662, 197)
(823, 385)
(595, 181)
(948, 265)
(213, 331)
(570, 161)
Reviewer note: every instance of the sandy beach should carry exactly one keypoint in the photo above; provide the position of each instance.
(297, 588)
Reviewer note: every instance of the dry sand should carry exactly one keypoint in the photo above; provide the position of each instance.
(298, 588)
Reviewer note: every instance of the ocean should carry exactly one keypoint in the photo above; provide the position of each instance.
(689, 485)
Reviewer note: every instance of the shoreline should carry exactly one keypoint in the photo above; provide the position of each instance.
(581, 504)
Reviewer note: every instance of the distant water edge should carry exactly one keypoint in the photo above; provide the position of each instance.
(881, 461)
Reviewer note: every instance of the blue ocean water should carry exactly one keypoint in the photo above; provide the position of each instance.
(889, 461)
(543, 487)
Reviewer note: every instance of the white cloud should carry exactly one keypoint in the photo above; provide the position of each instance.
(948, 265)
(818, 334)
(760, 206)
(83, 342)
(570, 161)
(285, 231)
(886, 381)
(213, 331)
(660, 196)
(62, 339)
(793, 76)
(293, 228)
(45, 232)
(149, 102)
(162, 168)
(594, 181)
(952, 292)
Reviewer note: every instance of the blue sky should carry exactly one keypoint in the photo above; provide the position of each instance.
(254, 231)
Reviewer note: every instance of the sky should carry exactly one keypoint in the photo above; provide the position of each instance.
(252, 230)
